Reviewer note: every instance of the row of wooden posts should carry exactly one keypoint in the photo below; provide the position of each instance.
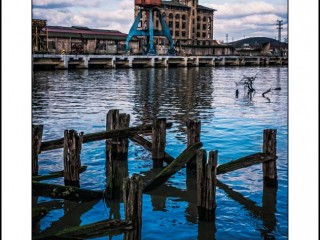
(118, 185)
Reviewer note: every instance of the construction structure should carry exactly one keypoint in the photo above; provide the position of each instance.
(190, 25)
(39, 35)
(143, 25)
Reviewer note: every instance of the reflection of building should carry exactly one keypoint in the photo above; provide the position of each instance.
(56, 39)
(191, 26)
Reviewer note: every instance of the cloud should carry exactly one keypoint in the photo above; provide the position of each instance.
(228, 10)
(255, 18)
(51, 4)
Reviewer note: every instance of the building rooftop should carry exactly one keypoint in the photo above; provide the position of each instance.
(174, 4)
(200, 7)
(84, 32)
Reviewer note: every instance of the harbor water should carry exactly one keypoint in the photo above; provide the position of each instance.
(231, 123)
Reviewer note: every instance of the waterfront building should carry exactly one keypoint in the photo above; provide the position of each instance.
(77, 39)
(191, 26)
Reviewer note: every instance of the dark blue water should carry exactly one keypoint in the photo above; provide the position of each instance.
(232, 125)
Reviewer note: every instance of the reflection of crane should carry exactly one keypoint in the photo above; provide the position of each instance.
(150, 7)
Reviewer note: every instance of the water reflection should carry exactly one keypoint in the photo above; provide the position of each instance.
(266, 213)
(178, 94)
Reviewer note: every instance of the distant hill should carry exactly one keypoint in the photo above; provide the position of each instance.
(256, 42)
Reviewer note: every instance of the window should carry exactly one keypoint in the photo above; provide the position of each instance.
(183, 17)
(177, 24)
(170, 24)
(177, 16)
(198, 34)
(204, 35)
(51, 45)
(198, 26)
(204, 27)
(183, 34)
(184, 25)
(170, 16)
(177, 33)
(198, 19)
(204, 19)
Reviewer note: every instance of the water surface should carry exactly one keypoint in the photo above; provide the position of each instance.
(231, 124)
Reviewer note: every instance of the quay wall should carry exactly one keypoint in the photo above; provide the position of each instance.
(127, 61)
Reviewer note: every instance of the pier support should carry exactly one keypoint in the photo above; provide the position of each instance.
(158, 141)
(132, 198)
(270, 168)
(193, 136)
(37, 131)
(116, 154)
(206, 185)
(71, 157)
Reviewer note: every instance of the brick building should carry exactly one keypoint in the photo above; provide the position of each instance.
(189, 22)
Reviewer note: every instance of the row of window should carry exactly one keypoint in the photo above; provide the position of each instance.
(183, 34)
(177, 16)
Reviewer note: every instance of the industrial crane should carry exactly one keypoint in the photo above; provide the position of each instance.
(150, 7)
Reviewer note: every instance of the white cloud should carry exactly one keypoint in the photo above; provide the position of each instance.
(228, 10)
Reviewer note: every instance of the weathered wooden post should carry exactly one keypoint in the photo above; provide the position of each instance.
(116, 155)
(158, 141)
(206, 185)
(124, 122)
(193, 136)
(37, 131)
(270, 148)
(132, 198)
(71, 157)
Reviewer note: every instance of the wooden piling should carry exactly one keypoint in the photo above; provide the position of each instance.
(206, 185)
(270, 148)
(122, 149)
(158, 141)
(132, 198)
(71, 157)
(116, 155)
(193, 136)
(37, 131)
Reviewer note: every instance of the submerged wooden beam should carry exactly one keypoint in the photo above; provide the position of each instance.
(173, 167)
(38, 213)
(64, 192)
(90, 137)
(244, 162)
(148, 146)
(54, 175)
(94, 230)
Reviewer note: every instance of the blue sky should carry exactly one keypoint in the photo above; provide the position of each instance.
(237, 18)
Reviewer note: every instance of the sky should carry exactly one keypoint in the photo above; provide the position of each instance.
(237, 18)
